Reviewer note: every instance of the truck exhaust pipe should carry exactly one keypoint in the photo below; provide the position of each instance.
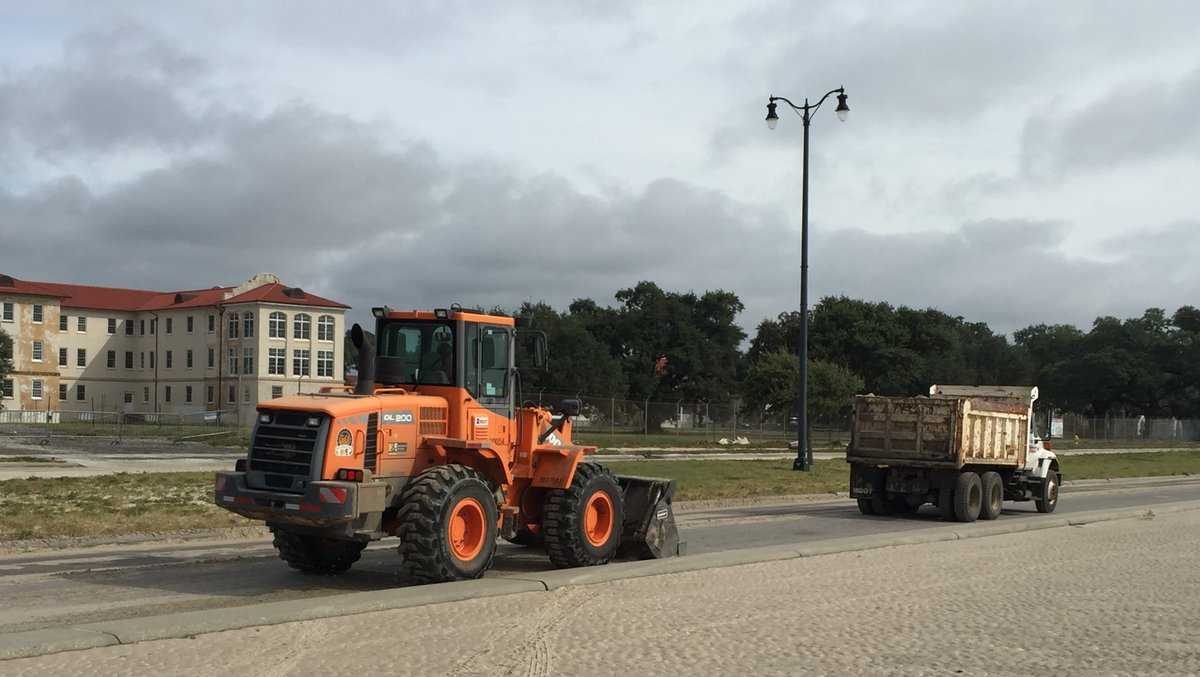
(366, 361)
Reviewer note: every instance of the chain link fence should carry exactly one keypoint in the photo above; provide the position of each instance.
(43, 427)
(1122, 428)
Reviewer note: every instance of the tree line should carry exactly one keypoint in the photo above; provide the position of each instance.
(666, 346)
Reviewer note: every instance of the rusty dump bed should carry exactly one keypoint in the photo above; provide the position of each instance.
(953, 427)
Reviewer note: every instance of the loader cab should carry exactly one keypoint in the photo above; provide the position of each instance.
(448, 349)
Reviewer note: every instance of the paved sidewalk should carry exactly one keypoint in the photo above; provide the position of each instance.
(1115, 597)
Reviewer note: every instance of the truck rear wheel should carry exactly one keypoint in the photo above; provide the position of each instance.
(865, 506)
(447, 525)
(968, 497)
(316, 554)
(582, 523)
(993, 495)
(1047, 500)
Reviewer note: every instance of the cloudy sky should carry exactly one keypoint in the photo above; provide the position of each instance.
(1011, 162)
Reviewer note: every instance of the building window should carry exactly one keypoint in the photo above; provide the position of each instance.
(189, 358)
(277, 325)
(247, 360)
(129, 327)
(170, 358)
(142, 359)
(232, 394)
(166, 393)
(128, 398)
(80, 392)
(62, 322)
(35, 389)
(276, 392)
(246, 394)
(145, 393)
(190, 324)
(170, 324)
(302, 326)
(153, 325)
(8, 312)
(81, 357)
(110, 359)
(141, 327)
(129, 359)
(211, 394)
(212, 323)
(248, 325)
(62, 357)
(112, 326)
(233, 325)
(233, 360)
(62, 391)
(152, 359)
(211, 358)
(299, 363)
(324, 363)
(187, 393)
(325, 328)
(37, 351)
(276, 359)
(37, 313)
(81, 324)
(6, 388)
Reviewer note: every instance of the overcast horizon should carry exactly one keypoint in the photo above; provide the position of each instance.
(1013, 163)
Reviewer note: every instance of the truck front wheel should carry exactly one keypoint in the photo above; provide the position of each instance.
(1047, 499)
(968, 497)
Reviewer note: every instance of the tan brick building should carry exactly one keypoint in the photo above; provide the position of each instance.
(82, 348)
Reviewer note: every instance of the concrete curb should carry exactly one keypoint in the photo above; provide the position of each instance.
(190, 623)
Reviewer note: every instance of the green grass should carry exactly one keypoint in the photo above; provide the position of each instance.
(233, 436)
(697, 440)
(112, 505)
(1070, 445)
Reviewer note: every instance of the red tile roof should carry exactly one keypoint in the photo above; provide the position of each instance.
(113, 298)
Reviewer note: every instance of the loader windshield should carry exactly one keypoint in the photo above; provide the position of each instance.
(416, 352)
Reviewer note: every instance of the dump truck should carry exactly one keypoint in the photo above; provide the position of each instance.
(433, 446)
(965, 449)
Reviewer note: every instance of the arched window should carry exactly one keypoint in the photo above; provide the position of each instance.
(233, 325)
(277, 325)
(248, 325)
(302, 327)
(325, 328)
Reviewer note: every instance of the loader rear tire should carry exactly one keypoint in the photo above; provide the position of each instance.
(968, 497)
(317, 554)
(582, 523)
(993, 495)
(447, 525)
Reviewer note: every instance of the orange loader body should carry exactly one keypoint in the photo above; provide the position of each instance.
(440, 454)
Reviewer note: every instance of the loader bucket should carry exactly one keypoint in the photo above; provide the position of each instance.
(649, 530)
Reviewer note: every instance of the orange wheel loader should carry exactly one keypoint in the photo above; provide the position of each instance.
(432, 447)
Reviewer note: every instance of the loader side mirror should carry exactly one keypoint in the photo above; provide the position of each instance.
(570, 407)
(531, 349)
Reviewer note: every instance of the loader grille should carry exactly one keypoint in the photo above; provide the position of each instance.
(371, 444)
(283, 447)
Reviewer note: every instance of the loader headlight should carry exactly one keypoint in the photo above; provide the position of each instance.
(264, 418)
(313, 421)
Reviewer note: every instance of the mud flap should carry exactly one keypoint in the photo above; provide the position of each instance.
(649, 531)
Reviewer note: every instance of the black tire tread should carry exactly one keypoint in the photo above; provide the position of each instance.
(990, 481)
(865, 506)
(423, 550)
(561, 515)
(1042, 505)
(962, 496)
(317, 554)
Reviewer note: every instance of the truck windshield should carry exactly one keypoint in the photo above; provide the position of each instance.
(417, 352)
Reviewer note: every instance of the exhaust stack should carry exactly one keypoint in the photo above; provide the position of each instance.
(366, 361)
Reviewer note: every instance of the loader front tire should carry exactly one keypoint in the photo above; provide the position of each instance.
(447, 525)
(316, 554)
(582, 523)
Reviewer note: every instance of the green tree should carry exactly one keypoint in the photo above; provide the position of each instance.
(773, 381)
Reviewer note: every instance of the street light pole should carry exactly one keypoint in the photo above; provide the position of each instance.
(803, 460)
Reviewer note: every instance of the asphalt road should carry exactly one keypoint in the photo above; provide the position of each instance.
(57, 588)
